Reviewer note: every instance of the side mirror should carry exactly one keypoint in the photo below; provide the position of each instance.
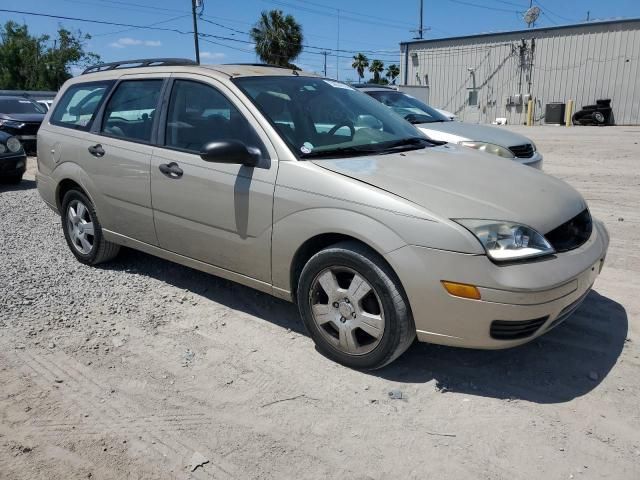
(230, 151)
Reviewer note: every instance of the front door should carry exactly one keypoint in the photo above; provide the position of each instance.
(217, 213)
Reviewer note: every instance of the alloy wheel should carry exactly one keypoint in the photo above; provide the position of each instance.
(347, 310)
(80, 227)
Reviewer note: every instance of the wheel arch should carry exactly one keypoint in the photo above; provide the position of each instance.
(299, 236)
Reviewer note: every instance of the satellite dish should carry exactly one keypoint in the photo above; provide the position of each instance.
(531, 15)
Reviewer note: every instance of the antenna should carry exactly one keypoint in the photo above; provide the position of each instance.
(530, 16)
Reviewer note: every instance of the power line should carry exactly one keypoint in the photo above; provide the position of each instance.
(476, 5)
(554, 14)
(130, 29)
(334, 15)
(359, 14)
(187, 32)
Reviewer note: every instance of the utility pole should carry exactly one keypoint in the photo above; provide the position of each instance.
(325, 53)
(588, 14)
(421, 10)
(338, 50)
(195, 29)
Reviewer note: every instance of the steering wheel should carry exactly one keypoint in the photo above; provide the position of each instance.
(343, 123)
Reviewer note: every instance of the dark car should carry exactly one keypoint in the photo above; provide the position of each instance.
(13, 160)
(21, 117)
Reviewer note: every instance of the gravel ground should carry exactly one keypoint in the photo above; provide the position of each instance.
(129, 369)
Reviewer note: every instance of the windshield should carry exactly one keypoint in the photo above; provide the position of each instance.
(15, 105)
(412, 109)
(324, 119)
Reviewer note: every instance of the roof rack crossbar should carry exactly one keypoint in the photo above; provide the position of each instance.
(143, 62)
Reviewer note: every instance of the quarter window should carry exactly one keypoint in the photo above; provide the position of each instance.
(130, 111)
(199, 114)
(79, 104)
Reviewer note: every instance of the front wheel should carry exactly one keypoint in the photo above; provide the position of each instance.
(354, 308)
(83, 231)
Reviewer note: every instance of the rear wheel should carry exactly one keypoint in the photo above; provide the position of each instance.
(83, 231)
(353, 307)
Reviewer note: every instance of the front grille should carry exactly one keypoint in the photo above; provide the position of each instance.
(523, 151)
(513, 330)
(30, 128)
(571, 234)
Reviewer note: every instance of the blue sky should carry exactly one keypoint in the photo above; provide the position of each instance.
(379, 28)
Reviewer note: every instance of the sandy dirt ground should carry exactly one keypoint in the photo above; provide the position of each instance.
(128, 370)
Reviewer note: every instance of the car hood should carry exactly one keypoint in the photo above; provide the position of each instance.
(472, 131)
(23, 117)
(455, 182)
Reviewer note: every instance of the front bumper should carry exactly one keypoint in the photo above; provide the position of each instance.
(535, 161)
(14, 165)
(549, 289)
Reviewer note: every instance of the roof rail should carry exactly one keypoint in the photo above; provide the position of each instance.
(259, 65)
(143, 62)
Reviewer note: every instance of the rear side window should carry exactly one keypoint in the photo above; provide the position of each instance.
(79, 104)
(131, 109)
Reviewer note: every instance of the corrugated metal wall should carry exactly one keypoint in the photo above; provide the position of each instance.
(582, 62)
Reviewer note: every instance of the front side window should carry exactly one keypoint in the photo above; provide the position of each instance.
(323, 118)
(199, 114)
(412, 109)
(131, 109)
(79, 104)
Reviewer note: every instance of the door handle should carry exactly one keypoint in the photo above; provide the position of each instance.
(171, 170)
(96, 150)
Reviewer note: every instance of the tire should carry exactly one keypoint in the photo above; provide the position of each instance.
(76, 227)
(373, 317)
(598, 118)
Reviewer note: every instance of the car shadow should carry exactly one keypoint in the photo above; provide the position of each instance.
(23, 185)
(225, 292)
(563, 364)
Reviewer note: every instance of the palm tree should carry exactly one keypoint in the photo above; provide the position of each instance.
(377, 67)
(278, 38)
(360, 63)
(392, 72)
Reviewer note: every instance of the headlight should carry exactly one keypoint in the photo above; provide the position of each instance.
(489, 148)
(11, 124)
(14, 145)
(506, 241)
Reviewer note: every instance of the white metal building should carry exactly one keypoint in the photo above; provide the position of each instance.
(488, 76)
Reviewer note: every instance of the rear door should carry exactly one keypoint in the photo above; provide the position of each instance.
(217, 213)
(117, 155)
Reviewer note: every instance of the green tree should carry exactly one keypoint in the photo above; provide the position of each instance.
(360, 63)
(376, 67)
(278, 38)
(392, 72)
(40, 63)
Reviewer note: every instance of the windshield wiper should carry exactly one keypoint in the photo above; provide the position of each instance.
(339, 152)
(416, 119)
(409, 143)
